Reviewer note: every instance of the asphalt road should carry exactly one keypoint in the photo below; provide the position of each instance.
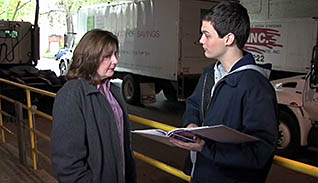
(49, 64)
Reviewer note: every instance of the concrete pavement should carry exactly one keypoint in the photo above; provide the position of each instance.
(11, 171)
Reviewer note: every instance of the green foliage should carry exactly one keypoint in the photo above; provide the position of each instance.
(17, 10)
(71, 6)
(48, 54)
(62, 14)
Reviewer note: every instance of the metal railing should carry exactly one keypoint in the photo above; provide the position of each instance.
(31, 112)
(283, 162)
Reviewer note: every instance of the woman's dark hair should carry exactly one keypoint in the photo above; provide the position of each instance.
(230, 17)
(93, 46)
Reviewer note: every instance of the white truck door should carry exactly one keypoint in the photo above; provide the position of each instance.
(192, 59)
(311, 102)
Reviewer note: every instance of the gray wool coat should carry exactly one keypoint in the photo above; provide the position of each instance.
(85, 145)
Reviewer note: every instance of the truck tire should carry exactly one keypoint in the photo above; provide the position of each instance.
(63, 68)
(51, 76)
(157, 88)
(170, 94)
(131, 90)
(289, 134)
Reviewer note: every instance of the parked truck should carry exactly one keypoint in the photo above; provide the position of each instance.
(159, 50)
(158, 42)
(298, 109)
(285, 34)
(285, 43)
(19, 54)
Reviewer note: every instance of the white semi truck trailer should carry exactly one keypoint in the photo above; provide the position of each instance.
(159, 50)
(159, 47)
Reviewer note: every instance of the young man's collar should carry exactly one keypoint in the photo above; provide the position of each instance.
(247, 59)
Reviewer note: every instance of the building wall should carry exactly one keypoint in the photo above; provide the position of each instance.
(277, 9)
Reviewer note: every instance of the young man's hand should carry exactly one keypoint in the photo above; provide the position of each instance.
(196, 146)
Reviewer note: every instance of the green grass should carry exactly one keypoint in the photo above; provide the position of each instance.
(48, 55)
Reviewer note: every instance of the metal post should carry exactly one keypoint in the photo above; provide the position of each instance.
(32, 133)
(34, 107)
(3, 137)
(20, 133)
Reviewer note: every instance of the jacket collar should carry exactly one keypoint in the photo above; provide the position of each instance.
(248, 59)
(246, 63)
(89, 88)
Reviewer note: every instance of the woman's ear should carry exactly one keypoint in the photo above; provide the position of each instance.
(229, 39)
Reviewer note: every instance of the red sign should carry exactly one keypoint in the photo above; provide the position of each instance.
(261, 39)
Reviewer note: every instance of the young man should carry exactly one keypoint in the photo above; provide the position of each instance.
(234, 92)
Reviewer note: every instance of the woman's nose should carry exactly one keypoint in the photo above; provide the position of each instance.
(114, 59)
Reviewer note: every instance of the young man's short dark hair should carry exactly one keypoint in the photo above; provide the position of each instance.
(229, 17)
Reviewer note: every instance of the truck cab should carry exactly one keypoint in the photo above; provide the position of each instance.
(298, 109)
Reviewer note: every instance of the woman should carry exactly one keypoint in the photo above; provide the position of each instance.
(90, 140)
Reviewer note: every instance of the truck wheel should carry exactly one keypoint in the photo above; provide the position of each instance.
(51, 76)
(170, 94)
(130, 89)
(289, 134)
(157, 88)
(63, 68)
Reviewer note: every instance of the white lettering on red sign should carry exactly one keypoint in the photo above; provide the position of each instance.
(261, 39)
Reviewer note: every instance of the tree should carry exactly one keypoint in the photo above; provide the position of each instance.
(70, 7)
(17, 10)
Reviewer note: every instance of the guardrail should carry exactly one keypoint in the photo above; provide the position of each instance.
(31, 112)
(283, 162)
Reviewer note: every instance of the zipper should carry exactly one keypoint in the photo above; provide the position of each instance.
(202, 97)
(213, 94)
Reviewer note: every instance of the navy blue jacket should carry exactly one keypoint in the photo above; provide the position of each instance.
(243, 100)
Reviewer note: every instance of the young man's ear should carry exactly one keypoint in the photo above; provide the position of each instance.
(229, 39)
